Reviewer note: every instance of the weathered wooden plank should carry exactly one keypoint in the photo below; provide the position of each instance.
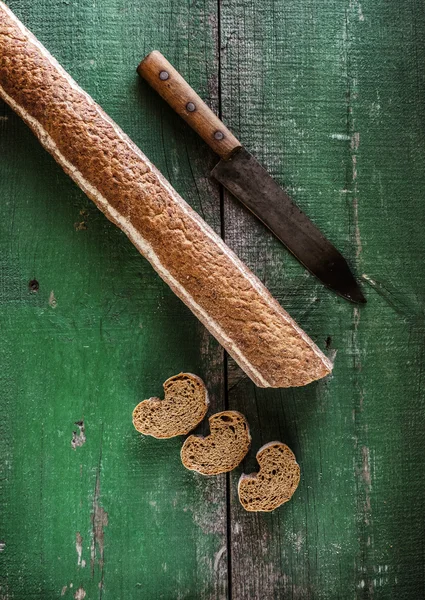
(103, 512)
(330, 97)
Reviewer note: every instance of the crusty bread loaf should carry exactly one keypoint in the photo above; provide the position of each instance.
(227, 298)
(185, 404)
(275, 482)
(223, 449)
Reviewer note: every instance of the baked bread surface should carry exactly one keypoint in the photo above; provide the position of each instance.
(275, 482)
(184, 406)
(220, 290)
(223, 449)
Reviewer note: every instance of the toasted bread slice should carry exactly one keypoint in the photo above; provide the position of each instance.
(184, 406)
(223, 449)
(275, 482)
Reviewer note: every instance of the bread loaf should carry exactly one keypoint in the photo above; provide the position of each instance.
(223, 449)
(276, 481)
(184, 406)
(204, 273)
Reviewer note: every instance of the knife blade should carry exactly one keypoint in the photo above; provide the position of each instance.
(241, 173)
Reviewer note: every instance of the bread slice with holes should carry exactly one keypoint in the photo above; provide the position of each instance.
(275, 482)
(223, 449)
(185, 404)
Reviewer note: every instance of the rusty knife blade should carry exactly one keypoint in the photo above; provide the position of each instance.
(246, 179)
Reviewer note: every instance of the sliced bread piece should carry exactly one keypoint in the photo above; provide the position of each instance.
(223, 449)
(275, 482)
(184, 406)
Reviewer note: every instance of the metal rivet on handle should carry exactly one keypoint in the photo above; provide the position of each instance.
(219, 135)
(190, 107)
(164, 76)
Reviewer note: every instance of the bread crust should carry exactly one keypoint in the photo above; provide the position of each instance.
(260, 495)
(164, 419)
(215, 453)
(204, 273)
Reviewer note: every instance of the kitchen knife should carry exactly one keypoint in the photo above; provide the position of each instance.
(246, 179)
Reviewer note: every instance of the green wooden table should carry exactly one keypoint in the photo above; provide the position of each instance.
(330, 96)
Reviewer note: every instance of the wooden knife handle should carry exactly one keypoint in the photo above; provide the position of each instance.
(168, 82)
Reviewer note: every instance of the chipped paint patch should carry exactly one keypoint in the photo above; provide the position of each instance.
(366, 466)
(371, 281)
(63, 590)
(80, 594)
(4, 119)
(355, 141)
(79, 546)
(352, 94)
(99, 519)
(357, 237)
(2, 546)
(52, 300)
(78, 439)
(212, 491)
(81, 225)
(218, 556)
(354, 158)
(343, 137)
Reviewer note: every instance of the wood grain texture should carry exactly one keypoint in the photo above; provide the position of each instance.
(175, 90)
(329, 96)
(117, 515)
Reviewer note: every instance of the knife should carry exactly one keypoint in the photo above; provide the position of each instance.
(245, 178)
